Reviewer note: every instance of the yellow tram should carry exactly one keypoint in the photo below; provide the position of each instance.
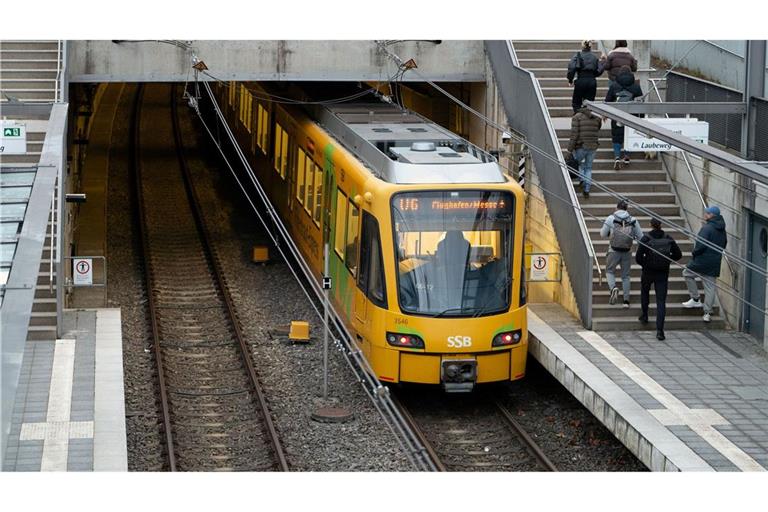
(425, 232)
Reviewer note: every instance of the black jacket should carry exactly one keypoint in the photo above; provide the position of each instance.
(625, 80)
(586, 66)
(644, 252)
(706, 261)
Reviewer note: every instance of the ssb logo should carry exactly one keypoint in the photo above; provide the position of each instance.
(459, 341)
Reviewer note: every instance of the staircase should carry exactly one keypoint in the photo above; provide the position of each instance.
(643, 181)
(29, 71)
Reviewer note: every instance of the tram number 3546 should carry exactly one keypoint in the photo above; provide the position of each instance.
(459, 341)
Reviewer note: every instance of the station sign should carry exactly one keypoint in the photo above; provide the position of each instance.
(13, 138)
(687, 127)
(82, 271)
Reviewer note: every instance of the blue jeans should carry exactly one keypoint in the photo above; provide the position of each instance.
(588, 156)
(617, 151)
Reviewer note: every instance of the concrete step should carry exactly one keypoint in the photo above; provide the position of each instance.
(633, 186)
(641, 218)
(8, 84)
(602, 210)
(17, 160)
(606, 164)
(28, 74)
(617, 310)
(671, 323)
(31, 54)
(37, 64)
(29, 45)
(41, 318)
(594, 231)
(30, 94)
(565, 52)
(562, 101)
(546, 45)
(561, 90)
(43, 278)
(42, 305)
(596, 196)
(676, 281)
(601, 248)
(559, 80)
(534, 64)
(627, 175)
(41, 333)
(674, 296)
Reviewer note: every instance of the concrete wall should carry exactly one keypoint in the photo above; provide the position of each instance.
(539, 232)
(723, 188)
(718, 61)
(105, 61)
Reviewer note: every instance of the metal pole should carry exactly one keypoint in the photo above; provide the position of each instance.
(326, 295)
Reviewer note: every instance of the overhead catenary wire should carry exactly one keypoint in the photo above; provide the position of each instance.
(611, 192)
(413, 450)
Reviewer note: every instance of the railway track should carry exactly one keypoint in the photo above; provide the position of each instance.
(214, 413)
(471, 433)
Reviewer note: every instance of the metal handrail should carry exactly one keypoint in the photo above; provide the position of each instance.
(693, 178)
(53, 237)
(58, 72)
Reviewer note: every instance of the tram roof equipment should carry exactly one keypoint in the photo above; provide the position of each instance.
(401, 146)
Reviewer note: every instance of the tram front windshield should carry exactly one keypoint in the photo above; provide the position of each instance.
(454, 251)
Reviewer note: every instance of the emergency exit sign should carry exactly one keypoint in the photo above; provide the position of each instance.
(14, 139)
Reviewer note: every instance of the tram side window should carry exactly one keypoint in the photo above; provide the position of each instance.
(262, 136)
(284, 154)
(280, 151)
(350, 250)
(301, 162)
(370, 279)
(232, 92)
(309, 198)
(318, 193)
(341, 222)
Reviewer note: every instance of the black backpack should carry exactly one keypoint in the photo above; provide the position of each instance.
(659, 253)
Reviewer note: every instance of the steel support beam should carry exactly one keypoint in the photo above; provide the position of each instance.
(682, 107)
(727, 160)
(754, 86)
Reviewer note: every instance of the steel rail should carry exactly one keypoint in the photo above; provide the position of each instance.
(429, 450)
(531, 445)
(221, 284)
(149, 281)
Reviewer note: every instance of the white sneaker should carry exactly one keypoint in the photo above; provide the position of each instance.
(692, 303)
(614, 295)
(706, 317)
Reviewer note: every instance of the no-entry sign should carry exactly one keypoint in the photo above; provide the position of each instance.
(539, 267)
(82, 271)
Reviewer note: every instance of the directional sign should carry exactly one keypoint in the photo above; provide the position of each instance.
(689, 127)
(539, 267)
(82, 271)
(13, 138)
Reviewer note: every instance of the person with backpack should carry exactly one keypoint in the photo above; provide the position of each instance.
(624, 89)
(655, 252)
(617, 58)
(706, 261)
(585, 132)
(586, 67)
(622, 229)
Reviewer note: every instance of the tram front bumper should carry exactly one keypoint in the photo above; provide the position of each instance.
(459, 371)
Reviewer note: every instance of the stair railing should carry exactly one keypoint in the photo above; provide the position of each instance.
(693, 179)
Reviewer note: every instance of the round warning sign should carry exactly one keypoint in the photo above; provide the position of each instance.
(539, 267)
(82, 271)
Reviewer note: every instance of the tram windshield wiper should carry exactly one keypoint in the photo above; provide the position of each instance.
(436, 315)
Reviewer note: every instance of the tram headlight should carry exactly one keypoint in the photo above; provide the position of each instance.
(397, 339)
(507, 338)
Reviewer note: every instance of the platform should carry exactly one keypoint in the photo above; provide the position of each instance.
(69, 412)
(697, 401)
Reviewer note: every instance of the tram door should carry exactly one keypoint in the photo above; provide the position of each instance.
(756, 282)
